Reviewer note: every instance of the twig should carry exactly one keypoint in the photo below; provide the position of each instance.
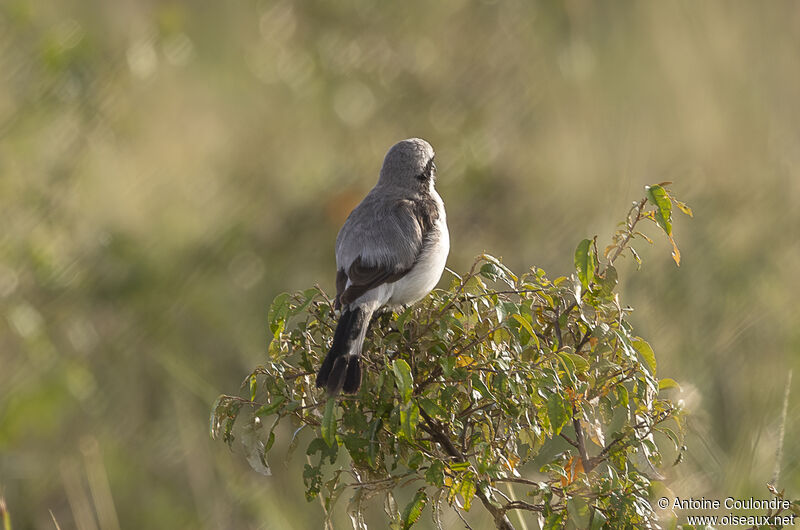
(583, 341)
(557, 326)
(511, 498)
(522, 505)
(629, 234)
(436, 432)
(572, 442)
(460, 516)
(581, 439)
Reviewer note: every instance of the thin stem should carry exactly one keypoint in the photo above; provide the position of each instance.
(629, 234)
(581, 440)
(436, 432)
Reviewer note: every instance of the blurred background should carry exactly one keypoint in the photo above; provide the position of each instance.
(168, 167)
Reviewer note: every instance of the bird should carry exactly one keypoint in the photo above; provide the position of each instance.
(390, 252)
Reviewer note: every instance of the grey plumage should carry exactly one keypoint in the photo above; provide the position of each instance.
(391, 251)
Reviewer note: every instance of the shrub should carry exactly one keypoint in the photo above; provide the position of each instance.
(468, 392)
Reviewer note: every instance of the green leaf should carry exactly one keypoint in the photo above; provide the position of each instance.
(581, 364)
(214, 420)
(490, 271)
(308, 296)
(585, 262)
(480, 386)
(413, 509)
(312, 478)
(405, 383)
(432, 408)
(416, 460)
(636, 257)
(374, 445)
(328, 426)
(525, 324)
(223, 416)
(508, 276)
(672, 436)
(459, 466)
(435, 474)
(554, 521)
(278, 312)
(270, 441)
(660, 199)
(557, 412)
(683, 207)
(598, 520)
(274, 350)
(467, 489)
(270, 408)
(668, 383)
(566, 363)
(622, 395)
(402, 317)
(609, 281)
(253, 387)
(644, 349)
(448, 364)
(578, 510)
(409, 418)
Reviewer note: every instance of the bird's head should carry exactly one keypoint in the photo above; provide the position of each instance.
(409, 164)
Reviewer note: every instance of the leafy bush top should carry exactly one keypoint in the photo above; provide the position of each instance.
(537, 385)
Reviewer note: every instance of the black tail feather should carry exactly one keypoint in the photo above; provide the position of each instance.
(338, 348)
(336, 379)
(341, 370)
(352, 379)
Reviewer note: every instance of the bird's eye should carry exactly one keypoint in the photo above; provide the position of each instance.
(426, 174)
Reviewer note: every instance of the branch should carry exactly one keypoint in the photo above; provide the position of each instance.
(498, 513)
(522, 505)
(581, 440)
(630, 225)
(584, 340)
(569, 440)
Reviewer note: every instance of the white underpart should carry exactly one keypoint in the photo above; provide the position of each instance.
(426, 271)
(422, 277)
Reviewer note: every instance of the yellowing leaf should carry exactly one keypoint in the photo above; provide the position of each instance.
(405, 382)
(556, 412)
(511, 461)
(684, 208)
(409, 418)
(524, 323)
(646, 351)
(596, 433)
(676, 254)
(464, 360)
(585, 262)
(413, 510)
(328, 426)
(573, 467)
(668, 383)
(663, 213)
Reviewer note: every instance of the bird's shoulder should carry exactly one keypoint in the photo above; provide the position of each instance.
(387, 213)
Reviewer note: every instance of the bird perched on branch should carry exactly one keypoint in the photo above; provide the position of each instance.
(391, 252)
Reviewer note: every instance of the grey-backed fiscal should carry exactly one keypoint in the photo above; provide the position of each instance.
(390, 252)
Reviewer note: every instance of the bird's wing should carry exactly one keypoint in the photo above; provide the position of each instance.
(380, 242)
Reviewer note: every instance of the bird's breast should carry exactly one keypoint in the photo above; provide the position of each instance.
(428, 268)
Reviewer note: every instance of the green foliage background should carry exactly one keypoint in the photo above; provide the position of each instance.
(166, 168)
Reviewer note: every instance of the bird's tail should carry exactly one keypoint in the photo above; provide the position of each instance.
(341, 369)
